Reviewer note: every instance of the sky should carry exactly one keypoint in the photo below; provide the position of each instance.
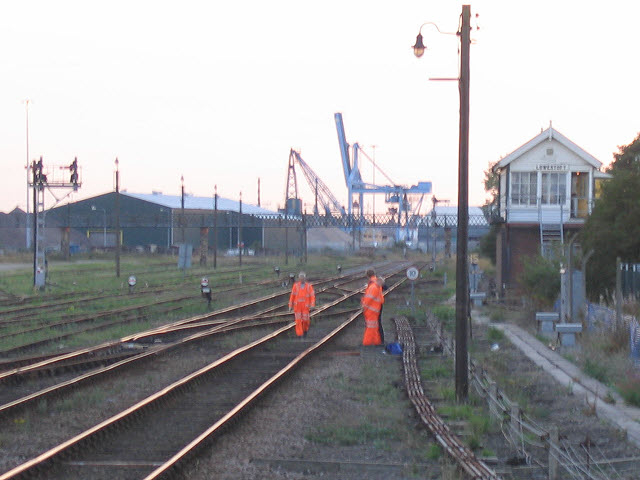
(218, 92)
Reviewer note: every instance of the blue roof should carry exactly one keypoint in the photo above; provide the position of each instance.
(199, 203)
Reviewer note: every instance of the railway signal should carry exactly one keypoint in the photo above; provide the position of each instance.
(132, 283)
(73, 174)
(205, 289)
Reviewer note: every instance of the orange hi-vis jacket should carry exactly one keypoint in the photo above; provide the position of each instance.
(371, 304)
(302, 297)
(301, 300)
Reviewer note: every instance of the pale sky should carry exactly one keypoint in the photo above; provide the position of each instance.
(219, 91)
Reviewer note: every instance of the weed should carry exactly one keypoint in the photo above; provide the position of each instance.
(495, 334)
(497, 314)
(434, 452)
(480, 424)
(456, 412)
(433, 370)
(630, 389)
(474, 442)
(448, 394)
(596, 370)
(444, 313)
(487, 452)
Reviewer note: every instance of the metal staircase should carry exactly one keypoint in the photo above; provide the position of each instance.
(551, 230)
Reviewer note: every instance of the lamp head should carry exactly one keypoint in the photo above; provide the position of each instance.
(419, 48)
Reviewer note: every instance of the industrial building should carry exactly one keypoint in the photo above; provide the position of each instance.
(158, 222)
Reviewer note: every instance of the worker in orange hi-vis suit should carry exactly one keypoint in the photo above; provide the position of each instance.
(301, 300)
(371, 305)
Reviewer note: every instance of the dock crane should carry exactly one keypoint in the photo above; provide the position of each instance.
(323, 195)
(396, 194)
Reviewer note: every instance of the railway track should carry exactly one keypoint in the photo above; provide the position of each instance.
(202, 404)
(52, 376)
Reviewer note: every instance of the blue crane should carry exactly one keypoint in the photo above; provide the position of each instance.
(394, 193)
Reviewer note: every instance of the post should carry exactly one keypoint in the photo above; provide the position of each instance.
(585, 259)
(215, 228)
(117, 210)
(304, 237)
(104, 228)
(35, 222)
(286, 233)
(553, 460)
(570, 278)
(182, 219)
(618, 292)
(240, 246)
(27, 168)
(462, 277)
(514, 424)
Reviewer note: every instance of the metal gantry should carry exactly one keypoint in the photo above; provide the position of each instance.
(50, 178)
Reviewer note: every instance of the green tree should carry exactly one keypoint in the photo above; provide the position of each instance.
(613, 228)
(487, 245)
(491, 185)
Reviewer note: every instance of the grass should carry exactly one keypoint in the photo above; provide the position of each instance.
(630, 388)
(596, 370)
(495, 334)
(81, 400)
(434, 452)
(349, 435)
(434, 369)
(445, 314)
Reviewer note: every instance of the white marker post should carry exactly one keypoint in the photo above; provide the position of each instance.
(412, 275)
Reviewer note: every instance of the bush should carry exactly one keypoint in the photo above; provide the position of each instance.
(541, 279)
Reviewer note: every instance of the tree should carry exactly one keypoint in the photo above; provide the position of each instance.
(613, 228)
(491, 185)
(628, 157)
(487, 246)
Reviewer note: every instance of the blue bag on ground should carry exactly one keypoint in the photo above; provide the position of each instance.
(394, 348)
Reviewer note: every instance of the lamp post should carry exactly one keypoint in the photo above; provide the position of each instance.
(462, 267)
(104, 224)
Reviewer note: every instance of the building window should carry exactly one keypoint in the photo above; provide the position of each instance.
(553, 188)
(524, 187)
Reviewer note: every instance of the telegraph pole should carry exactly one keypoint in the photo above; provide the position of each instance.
(462, 267)
(117, 209)
(28, 172)
(215, 227)
(240, 246)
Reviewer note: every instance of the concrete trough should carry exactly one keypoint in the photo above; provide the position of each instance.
(567, 332)
(546, 321)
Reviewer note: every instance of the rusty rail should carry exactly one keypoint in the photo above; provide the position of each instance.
(462, 454)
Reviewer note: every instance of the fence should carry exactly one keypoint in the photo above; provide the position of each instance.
(533, 444)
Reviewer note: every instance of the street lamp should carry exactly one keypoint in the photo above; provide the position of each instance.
(462, 267)
(104, 224)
